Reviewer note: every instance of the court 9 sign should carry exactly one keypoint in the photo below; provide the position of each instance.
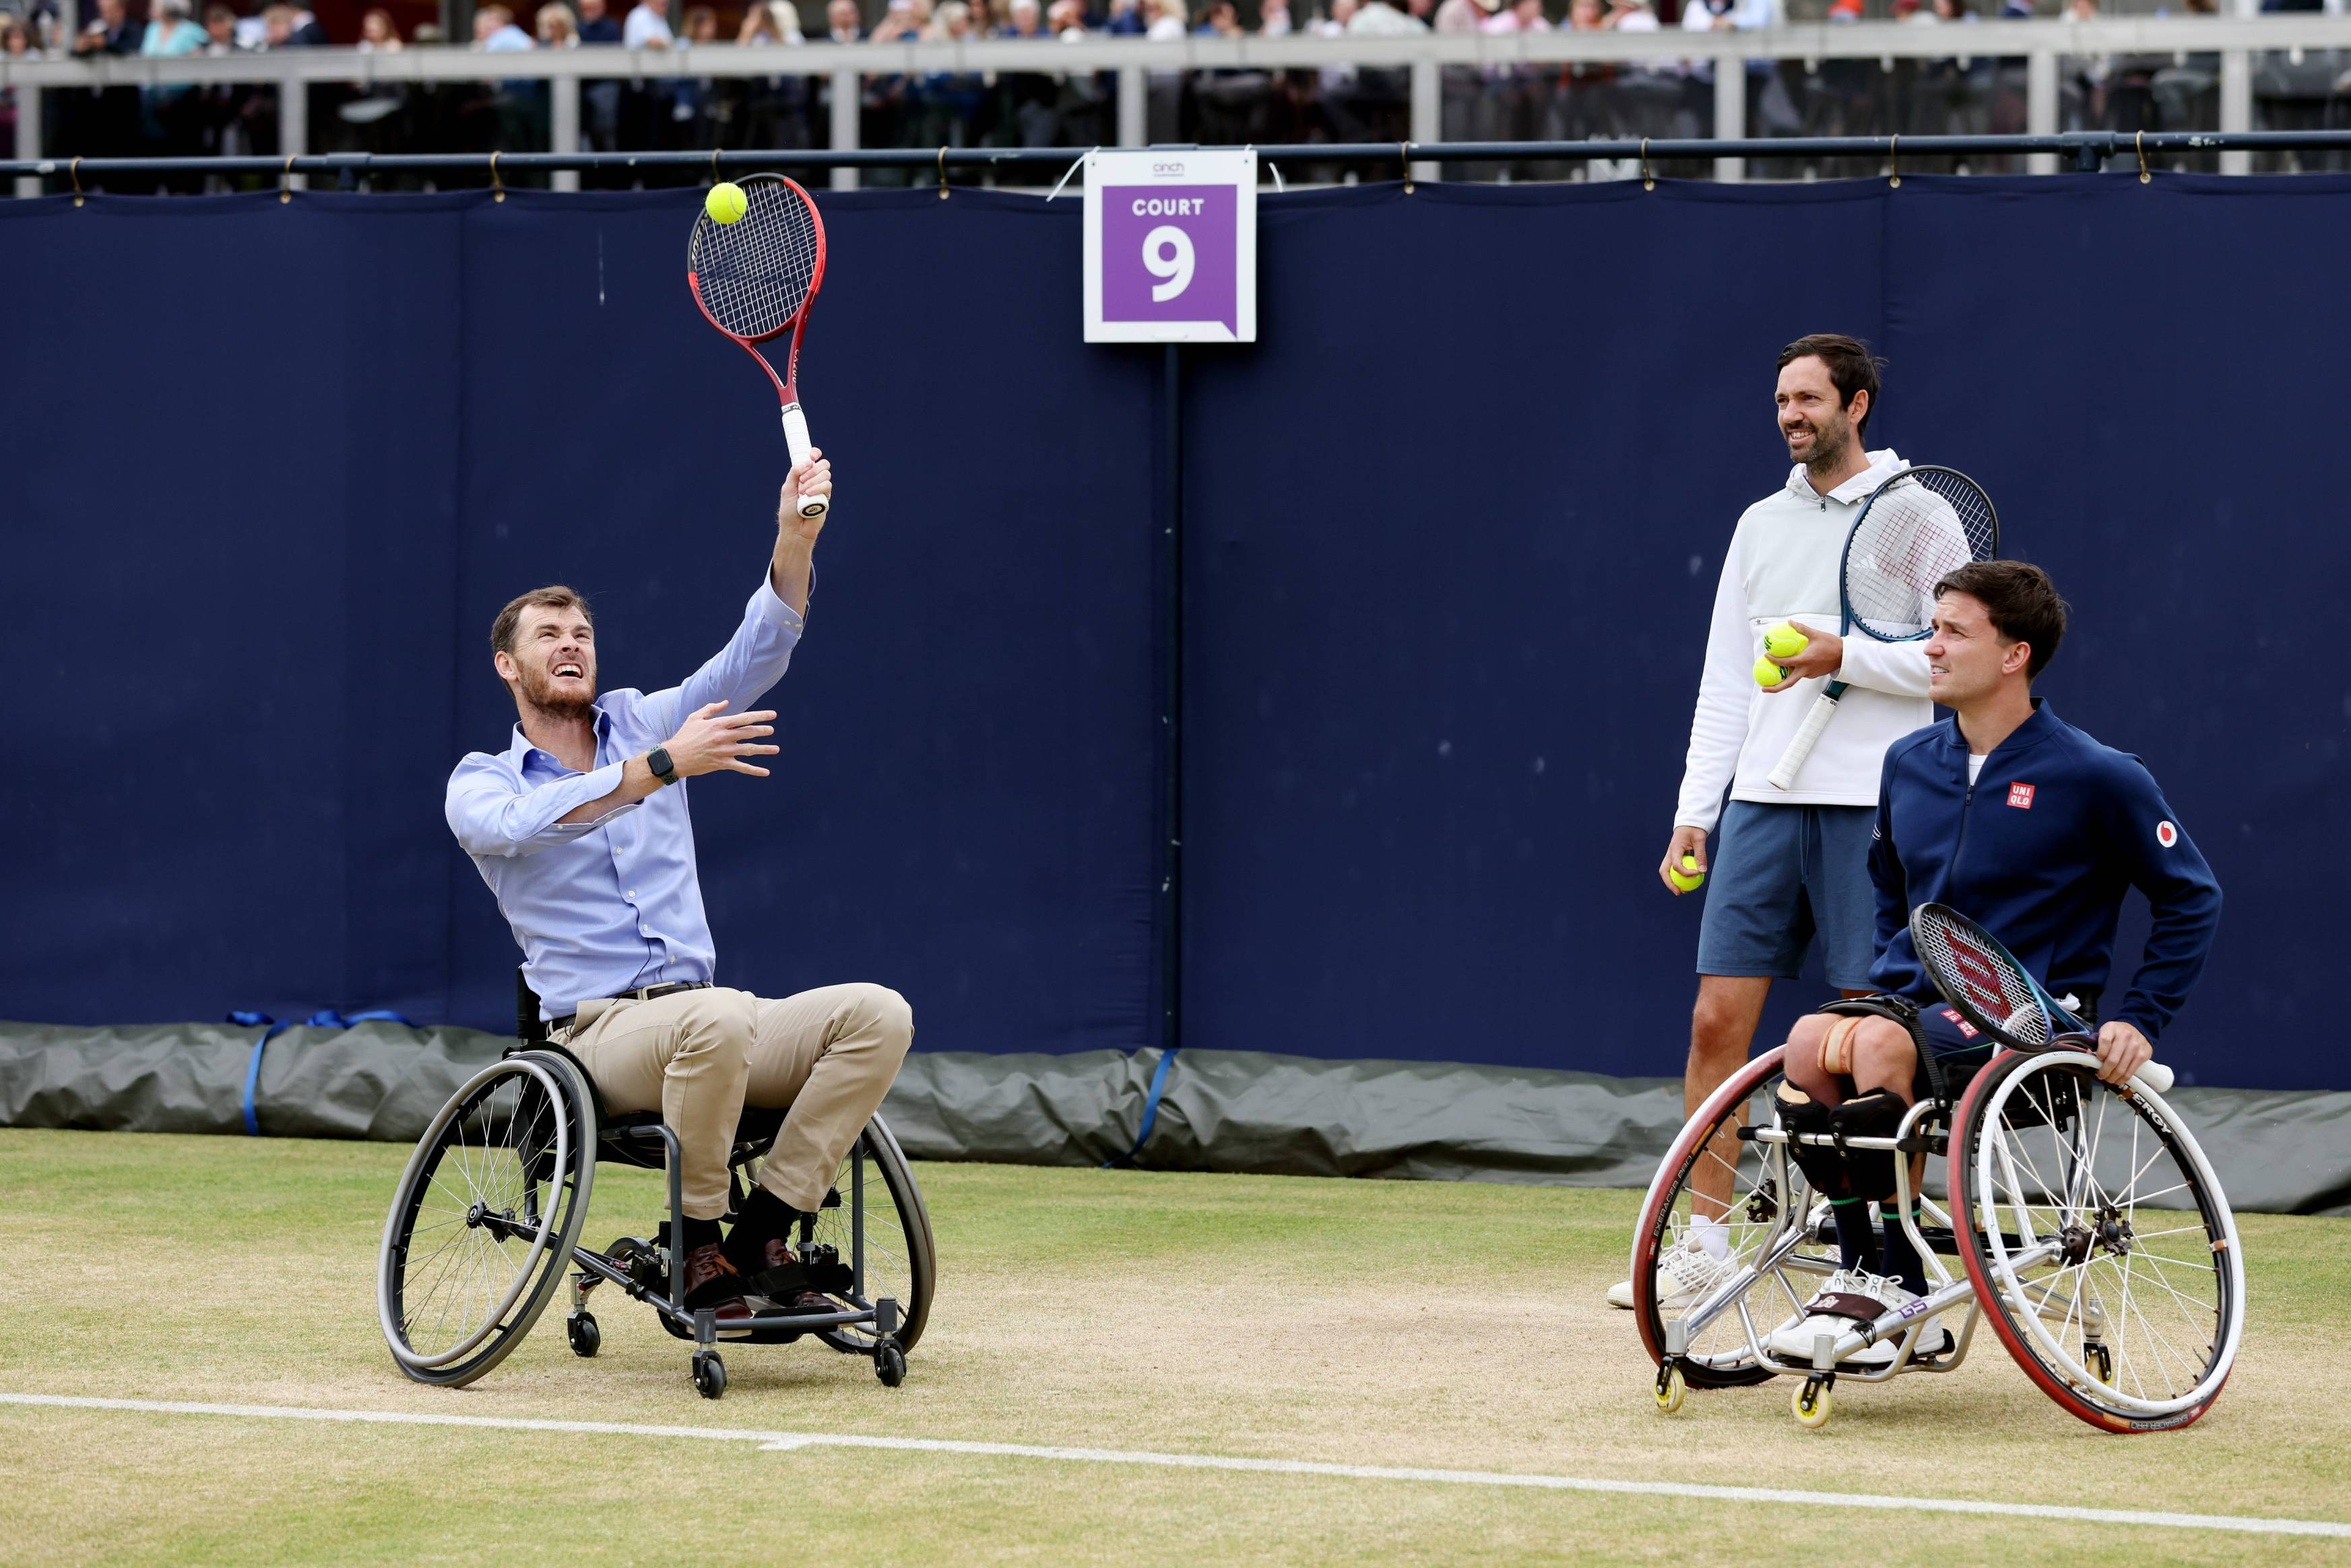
(1171, 246)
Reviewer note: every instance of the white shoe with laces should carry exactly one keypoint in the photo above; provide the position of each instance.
(1687, 1272)
(1852, 1298)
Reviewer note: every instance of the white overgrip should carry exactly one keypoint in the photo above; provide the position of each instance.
(796, 437)
(1801, 744)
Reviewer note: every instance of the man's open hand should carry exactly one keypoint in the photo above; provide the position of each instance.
(711, 739)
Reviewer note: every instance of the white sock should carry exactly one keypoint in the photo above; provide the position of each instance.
(1711, 1234)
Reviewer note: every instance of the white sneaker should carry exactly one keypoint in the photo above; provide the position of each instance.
(1686, 1274)
(1851, 1298)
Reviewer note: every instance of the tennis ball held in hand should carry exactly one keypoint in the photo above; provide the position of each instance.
(1785, 641)
(726, 202)
(1767, 674)
(1686, 874)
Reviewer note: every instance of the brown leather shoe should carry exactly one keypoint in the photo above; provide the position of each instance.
(777, 1254)
(711, 1281)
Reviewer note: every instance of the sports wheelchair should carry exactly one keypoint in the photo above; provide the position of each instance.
(2090, 1230)
(486, 1219)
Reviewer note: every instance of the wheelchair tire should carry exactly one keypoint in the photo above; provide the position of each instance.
(485, 1218)
(900, 1260)
(1762, 1184)
(2127, 1315)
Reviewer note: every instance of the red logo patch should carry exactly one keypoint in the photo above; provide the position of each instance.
(2021, 796)
(2166, 834)
(1967, 1029)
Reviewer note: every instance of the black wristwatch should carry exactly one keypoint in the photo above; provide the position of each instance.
(658, 760)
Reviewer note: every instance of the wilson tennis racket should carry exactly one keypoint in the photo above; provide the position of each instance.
(1993, 991)
(757, 277)
(1913, 529)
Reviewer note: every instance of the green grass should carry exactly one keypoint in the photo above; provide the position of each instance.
(1371, 1322)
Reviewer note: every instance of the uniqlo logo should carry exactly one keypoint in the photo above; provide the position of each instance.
(1966, 1030)
(2021, 797)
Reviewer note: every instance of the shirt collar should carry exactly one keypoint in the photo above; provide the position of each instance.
(520, 752)
(1883, 464)
(2032, 732)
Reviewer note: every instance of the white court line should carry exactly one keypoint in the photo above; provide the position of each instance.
(787, 1441)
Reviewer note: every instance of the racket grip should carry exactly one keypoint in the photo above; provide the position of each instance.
(2156, 1076)
(796, 437)
(1800, 745)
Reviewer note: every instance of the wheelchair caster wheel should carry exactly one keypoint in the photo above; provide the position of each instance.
(1812, 1404)
(709, 1374)
(890, 1363)
(1671, 1387)
(580, 1329)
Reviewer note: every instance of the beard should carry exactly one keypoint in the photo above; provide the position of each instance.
(1829, 443)
(540, 690)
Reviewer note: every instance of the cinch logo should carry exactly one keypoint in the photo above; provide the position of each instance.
(1168, 168)
(2021, 796)
(2166, 834)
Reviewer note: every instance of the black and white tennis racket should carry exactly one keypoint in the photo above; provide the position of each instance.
(1993, 991)
(757, 276)
(1913, 529)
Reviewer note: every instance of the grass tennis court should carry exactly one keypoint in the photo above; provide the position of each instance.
(1377, 1323)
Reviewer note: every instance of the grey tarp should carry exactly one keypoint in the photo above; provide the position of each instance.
(1220, 1110)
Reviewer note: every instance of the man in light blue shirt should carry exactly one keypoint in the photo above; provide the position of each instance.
(581, 829)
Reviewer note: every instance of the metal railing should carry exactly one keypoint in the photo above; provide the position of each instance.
(2040, 44)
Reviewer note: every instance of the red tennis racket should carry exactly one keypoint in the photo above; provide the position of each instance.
(757, 276)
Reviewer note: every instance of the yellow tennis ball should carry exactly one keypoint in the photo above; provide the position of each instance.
(1685, 876)
(1785, 641)
(726, 202)
(1768, 673)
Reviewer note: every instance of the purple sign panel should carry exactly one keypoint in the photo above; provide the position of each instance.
(1169, 253)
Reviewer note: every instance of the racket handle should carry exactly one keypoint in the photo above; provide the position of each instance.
(796, 436)
(1800, 745)
(2156, 1076)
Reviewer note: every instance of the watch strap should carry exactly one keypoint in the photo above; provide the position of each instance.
(658, 760)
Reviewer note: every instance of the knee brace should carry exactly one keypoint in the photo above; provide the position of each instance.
(1876, 1114)
(1824, 1167)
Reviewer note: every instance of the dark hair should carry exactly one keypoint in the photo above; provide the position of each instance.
(2023, 604)
(554, 596)
(1851, 365)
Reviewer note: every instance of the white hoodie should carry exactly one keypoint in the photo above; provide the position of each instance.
(1783, 565)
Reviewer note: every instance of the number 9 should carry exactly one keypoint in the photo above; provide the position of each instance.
(1176, 268)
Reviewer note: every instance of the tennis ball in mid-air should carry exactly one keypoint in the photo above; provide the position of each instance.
(726, 202)
(1768, 673)
(1687, 876)
(1785, 641)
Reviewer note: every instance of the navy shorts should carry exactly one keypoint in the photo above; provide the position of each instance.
(1960, 1049)
(1782, 875)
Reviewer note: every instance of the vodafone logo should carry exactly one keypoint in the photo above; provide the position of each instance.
(2021, 797)
(2166, 834)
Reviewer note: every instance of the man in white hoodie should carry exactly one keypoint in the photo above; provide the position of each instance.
(1792, 865)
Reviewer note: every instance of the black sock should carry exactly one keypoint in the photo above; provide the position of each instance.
(700, 1233)
(764, 1218)
(1853, 1237)
(1899, 1259)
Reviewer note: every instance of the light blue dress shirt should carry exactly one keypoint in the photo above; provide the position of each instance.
(610, 905)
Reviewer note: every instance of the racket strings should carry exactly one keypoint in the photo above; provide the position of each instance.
(1917, 532)
(1987, 981)
(755, 274)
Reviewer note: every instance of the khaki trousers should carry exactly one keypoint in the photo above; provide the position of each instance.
(699, 1057)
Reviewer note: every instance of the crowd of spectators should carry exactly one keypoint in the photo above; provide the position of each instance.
(1666, 97)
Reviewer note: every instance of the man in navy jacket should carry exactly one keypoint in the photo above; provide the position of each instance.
(2016, 818)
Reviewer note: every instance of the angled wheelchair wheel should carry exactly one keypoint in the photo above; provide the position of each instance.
(1726, 1232)
(882, 1230)
(2101, 1246)
(485, 1218)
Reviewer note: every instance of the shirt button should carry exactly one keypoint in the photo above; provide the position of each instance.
(632, 893)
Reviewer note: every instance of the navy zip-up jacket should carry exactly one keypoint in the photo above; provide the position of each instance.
(2040, 850)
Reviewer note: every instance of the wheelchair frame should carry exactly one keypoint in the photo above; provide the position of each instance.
(1935, 1124)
